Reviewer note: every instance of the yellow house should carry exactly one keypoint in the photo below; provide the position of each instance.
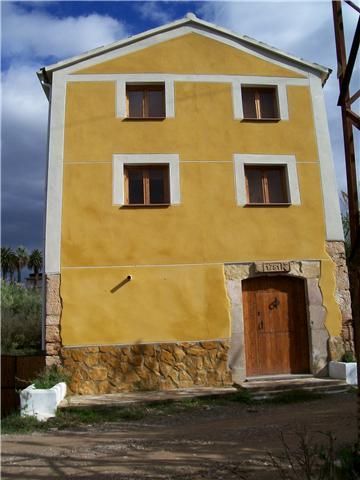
(193, 230)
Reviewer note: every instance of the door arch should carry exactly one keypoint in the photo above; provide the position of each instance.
(275, 325)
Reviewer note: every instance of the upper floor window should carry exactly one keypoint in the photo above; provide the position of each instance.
(147, 184)
(266, 184)
(260, 103)
(145, 101)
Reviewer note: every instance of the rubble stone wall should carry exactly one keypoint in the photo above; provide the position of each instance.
(53, 309)
(338, 345)
(165, 366)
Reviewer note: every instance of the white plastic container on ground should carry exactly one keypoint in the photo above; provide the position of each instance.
(345, 371)
(41, 403)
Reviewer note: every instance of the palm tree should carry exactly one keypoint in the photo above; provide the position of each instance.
(22, 257)
(35, 263)
(12, 265)
(6, 260)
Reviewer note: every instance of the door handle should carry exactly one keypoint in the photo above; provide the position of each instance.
(274, 304)
(261, 325)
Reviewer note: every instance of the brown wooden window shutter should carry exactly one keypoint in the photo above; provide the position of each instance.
(147, 184)
(266, 185)
(260, 103)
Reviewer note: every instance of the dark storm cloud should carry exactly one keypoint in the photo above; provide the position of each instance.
(25, 107)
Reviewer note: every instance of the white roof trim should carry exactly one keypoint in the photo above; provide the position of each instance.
(192, 20)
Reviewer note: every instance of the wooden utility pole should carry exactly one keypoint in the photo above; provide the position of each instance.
(350, 119)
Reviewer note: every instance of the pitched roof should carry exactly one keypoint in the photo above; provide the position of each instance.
(190, 19)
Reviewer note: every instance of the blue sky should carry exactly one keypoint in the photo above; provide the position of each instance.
(35, 34)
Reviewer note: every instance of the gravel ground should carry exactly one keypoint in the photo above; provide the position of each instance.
(230, 441)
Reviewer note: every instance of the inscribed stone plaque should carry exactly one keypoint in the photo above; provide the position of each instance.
(272, 267)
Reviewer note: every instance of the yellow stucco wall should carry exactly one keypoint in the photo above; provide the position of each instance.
(167, 300)
(158, 303)
(191, 53)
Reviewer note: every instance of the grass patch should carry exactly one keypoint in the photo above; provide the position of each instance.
(242, 396)
(50, 376)
(77, 418)
(71, 419)
(14, 423)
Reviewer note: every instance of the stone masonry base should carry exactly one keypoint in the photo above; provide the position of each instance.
(339, 345)
(53, 307)
(165, 366)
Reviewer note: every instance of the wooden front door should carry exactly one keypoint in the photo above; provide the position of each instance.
(275, 323)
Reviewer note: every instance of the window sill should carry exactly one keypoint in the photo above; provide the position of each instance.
(266, 120)
(129, 119)
(144, 205)
(267, 205)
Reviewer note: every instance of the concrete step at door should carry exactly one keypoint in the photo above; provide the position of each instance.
(267, 389)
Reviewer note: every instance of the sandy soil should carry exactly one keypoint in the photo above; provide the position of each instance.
(221, 442)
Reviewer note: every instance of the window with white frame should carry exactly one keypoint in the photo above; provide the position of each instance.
(146, 184)
(266, 185)
(255, 99)
(146, 179)
(260, 103)
(266, 180)
(144, 97)
(145, 101)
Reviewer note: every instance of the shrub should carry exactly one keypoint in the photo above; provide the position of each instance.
(21, 319)
(312, 460)
(50, 376)
(348, 357)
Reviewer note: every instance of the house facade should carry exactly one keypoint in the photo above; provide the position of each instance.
(193, 230)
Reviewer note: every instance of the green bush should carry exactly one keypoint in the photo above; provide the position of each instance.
(20, 319)
(50, 376)
(348, 357)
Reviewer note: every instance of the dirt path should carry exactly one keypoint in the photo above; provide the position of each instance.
(229, 441)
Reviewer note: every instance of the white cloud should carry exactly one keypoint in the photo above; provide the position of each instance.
(303, 29)
(154, 12)
(283, 25)
(30, 37)
(23, 100)
(37, 34)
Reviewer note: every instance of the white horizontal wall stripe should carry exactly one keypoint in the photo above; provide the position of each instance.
(119, 160)
(163, 77)
(240, 160)
(182, 265)
(94, 162)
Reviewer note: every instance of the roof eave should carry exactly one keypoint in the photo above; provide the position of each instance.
(320, 70)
